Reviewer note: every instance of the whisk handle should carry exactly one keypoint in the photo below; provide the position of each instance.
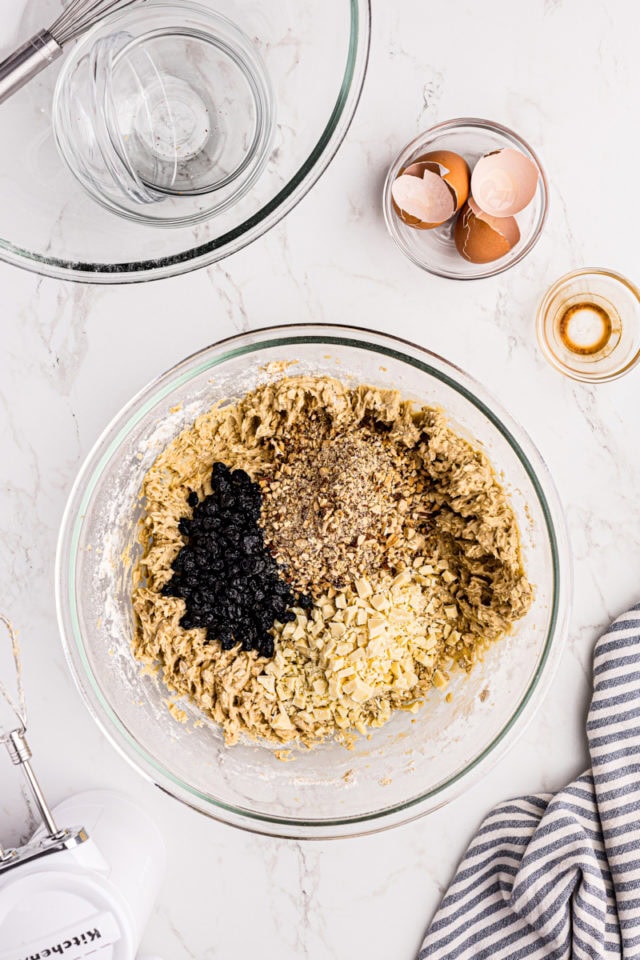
(26, 62)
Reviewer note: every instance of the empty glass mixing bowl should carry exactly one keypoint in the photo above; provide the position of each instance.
(404, 769)
(315, 57)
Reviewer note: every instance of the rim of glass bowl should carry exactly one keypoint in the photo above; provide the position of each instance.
(108, 444)
(427, 138)
(257, 224)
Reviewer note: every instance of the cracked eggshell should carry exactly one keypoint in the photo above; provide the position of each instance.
(421, 197)
(481, 238)
(429, 191)
(504, 182)
(454, 170)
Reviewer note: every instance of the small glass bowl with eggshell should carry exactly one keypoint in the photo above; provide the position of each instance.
(466, 199)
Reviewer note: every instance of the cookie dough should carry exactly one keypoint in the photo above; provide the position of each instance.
(415, 603)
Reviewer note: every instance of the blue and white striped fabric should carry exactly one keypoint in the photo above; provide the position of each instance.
(558, 877)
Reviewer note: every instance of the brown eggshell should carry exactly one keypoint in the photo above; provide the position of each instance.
(453, 170)
(421, 197)
(504, 182)
(481, 238)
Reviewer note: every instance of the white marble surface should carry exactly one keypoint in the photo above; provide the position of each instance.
(565, 73)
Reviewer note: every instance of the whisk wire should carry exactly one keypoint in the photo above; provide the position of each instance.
(44, 47)
(79, 15)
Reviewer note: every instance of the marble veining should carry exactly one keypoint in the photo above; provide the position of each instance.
(564, 74)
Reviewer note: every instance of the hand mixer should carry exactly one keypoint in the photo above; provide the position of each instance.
(45, 47)
(80, 891)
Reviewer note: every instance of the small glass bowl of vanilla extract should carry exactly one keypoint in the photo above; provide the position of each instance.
(588, 325)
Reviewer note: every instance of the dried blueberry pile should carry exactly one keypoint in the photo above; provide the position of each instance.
(229, 581)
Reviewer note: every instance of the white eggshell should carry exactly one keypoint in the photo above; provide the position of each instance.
(503, 183)
(427, 198)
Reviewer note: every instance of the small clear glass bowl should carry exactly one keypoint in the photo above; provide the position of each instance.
(605, 308)
(434, 250)
(164, 113)
(411, 765)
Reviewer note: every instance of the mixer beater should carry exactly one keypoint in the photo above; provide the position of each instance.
(80, 891)
(20, 754)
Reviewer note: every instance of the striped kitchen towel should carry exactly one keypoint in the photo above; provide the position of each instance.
(558, 876)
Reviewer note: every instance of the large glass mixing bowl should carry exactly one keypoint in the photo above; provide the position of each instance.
(315, 56)
(406, 768)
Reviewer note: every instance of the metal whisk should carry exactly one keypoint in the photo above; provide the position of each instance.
(45, 47)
